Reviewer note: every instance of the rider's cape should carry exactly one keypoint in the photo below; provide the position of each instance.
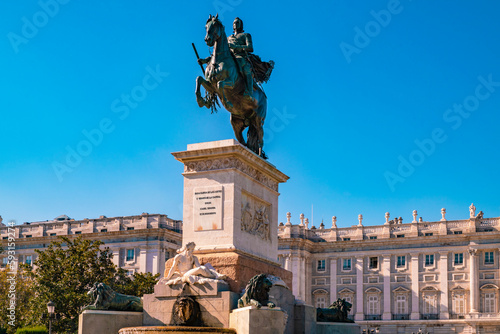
(261, 69)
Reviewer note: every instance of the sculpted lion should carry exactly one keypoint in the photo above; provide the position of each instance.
(257, 292)
(337, 312)
(106, 299)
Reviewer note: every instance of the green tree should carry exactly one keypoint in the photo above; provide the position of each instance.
(19, 286)
(64, 272)
(138, 284)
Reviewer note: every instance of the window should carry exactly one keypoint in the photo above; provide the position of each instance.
(130, 228)
(401, 304)
(104, 230)
(320, 301)
(346, 264)
(373, 237)
(374, 262)
(130, 272)
(130, 255)
(459, 258)
(428, 234)
(457, 232)
(320, 281)
(346, 239)
(400, 236)
(488, 258)
(372, 280)
(400, 278)
(373, 305)
(5, 238)
(429, 260)
(429, 278)
(401, 261)
(489, 275)
(321, 265)
(458, 277)
(430, 304)
(349, 300)
(488, 230)
(28, 260)
(5, 261)
(53, 234)
(78, 232)
(489, 302)
(459, 303)
(28, 236)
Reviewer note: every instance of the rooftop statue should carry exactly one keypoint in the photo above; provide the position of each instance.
(233, 75)
(187, 269)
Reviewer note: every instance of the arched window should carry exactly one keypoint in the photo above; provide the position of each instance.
(401, 301)
(489, 298)
(373, 301)
(459, 302)
(320, 298)
(429, 302)
(348, 295)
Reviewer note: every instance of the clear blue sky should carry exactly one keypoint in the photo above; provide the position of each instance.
(355, 87)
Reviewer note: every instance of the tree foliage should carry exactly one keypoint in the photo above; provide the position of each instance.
(138, 284)
(20, 286)
(63, 274)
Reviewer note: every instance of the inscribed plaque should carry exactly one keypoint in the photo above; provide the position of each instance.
(207, 208)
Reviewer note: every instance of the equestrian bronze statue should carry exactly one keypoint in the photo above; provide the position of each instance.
(233, 75)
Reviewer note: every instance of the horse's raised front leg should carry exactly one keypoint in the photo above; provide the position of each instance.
(200, 81)
(222, 86)
(238, 127)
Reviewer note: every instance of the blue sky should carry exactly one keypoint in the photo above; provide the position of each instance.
(373, 106)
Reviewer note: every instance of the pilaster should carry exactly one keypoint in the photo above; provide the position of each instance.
(333, 280)
(415, 298)
(386, 273)
(474, 281)
(360, 315)
(443, 269)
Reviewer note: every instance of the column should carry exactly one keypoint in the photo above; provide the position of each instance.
(360, 315)
(301, 273)
(295, 275)
(143, 261)
(288, 265)
(474, 281)
(415, 295)
(443, 269)
(307, 280)
(386, 273)
(116, 257)
(333, 280)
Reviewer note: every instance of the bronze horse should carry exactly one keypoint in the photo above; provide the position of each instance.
(224, 80)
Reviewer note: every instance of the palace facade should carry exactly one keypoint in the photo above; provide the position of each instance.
(139, 243)
(437, 277)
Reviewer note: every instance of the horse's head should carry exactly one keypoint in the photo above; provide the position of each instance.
(214, 29)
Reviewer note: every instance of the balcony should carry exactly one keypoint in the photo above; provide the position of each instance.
(373, 317)
(429, 316)
(400, 317)
(457, 316)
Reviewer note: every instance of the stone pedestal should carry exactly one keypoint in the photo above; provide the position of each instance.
(230, 199)
(215, 300)
(107, 322)
(252, 320)
(239, 267)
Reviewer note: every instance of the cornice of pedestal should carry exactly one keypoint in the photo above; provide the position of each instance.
(229, 154)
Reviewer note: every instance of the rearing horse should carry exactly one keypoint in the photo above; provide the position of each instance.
(223, 79)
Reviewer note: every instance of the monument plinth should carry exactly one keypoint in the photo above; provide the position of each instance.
(231, 209)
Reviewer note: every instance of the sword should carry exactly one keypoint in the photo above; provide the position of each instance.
(198, 58)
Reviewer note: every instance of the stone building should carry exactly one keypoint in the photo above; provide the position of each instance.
(139, 243)
(437, 277)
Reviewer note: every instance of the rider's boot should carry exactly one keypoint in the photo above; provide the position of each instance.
(249, 88)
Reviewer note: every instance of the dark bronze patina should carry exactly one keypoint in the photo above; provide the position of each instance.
(232, 75)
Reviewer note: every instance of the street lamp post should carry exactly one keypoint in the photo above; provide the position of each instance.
(50, 308)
